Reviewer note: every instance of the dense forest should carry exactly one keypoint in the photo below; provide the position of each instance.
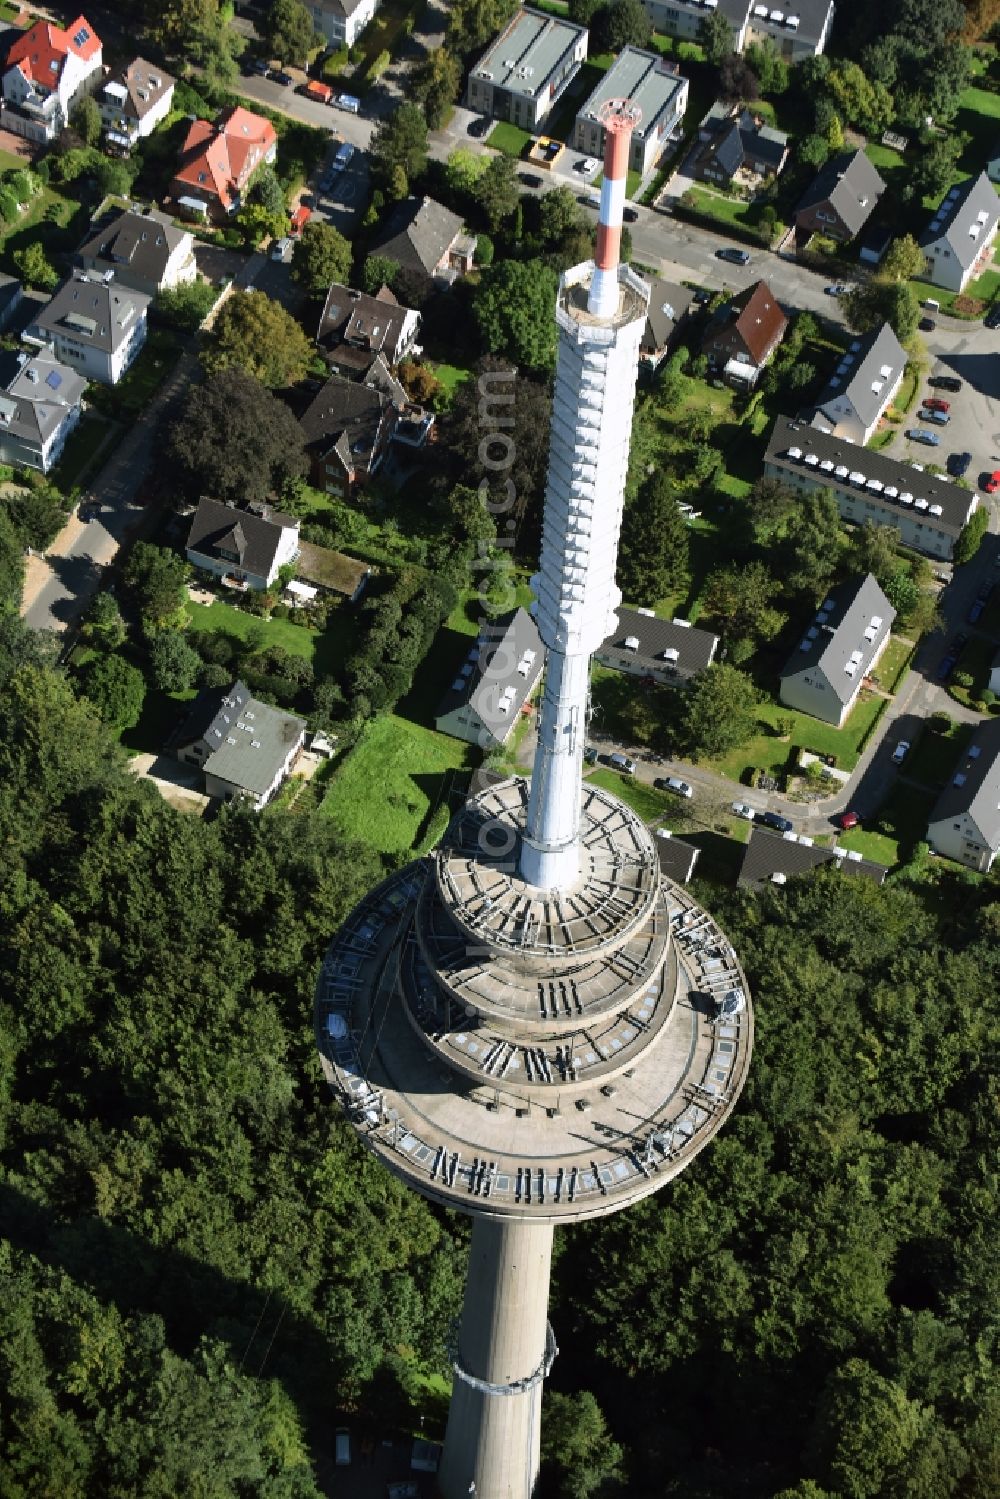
(200, 1267)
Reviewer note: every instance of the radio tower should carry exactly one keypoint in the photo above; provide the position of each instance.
(531, 1025)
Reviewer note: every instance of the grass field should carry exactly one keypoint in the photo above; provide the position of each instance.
(889, 673)
(392, 791)
(903, 816)
(451, 376)
(510, 139)
(768, 752)
(643, 799)
(325, 650)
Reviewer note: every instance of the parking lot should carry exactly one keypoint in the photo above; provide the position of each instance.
(973, 426)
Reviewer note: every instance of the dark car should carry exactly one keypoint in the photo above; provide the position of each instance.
(260, 66)
(927, 325)
(847, 820)
(992, 318)
(945, 382)
(733, 256)
(945, 667)
(630, 215)
(776, 821)
(530, 179)
(283, 78)
(703, 296)
(590, 755)
(975, 612)
(958, 464)
(479, 126)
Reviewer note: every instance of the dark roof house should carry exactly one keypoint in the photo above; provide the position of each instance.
(777, 857)
(669, 650)
(841, 198)
(669, 304)
(422, 235)
(732, 140)
(348, 427)
(677, 858)
(241, 546)
(146, 251)
(744, 333)
(356, 328)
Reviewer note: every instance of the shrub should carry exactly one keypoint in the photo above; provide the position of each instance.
(963, 679)
(941, 722)
(379, 64)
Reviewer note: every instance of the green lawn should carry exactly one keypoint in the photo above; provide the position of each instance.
(392, 790)
(977, 658)
(900, 823)
(643, 799)
(451, 376)
(510, 139)
(767, 752)
(889, 673)
(80, 453)
(326, 651)
(53, 220)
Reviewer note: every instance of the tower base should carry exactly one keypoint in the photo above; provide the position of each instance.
(491, 1448)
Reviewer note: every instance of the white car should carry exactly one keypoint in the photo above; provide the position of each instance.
(742, 809)
(674, 784)
(281, 249)
(587, 166)
(901, 751)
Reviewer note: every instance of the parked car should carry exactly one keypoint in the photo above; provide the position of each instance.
(917, 434)
(733, 256)
(342, 1447)
(945, 667)
(586, 166)
(927, 325)
(675, 784)
(776, 821)
(975, 612)
(630, 215)
(992, 484)
(836, 291)
(352, 104)
(281, 248)
(958, 464)
(283, 78)
(590, 755)
(622, 763)
(985, 593)
(901, 751)
(260, 67)
(530, 179)
(945, 382)
(992, 318)
(743, 809)
(703, 296)
(929, 414)
(847, 820)
(935, 403)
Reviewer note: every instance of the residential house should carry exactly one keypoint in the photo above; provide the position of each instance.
(324, 570)
(862, 387)
(776, 858)
(93, 324)
(348, 427)
(341, 22)
(965, 822)
(245, 748)
(40, 404)
(841, 199)
(355, 329)
(677, 858)
(494, 683)
(743, 334)
(218, 160)
(652, 83)
(11, 297)
(145, 251)
(133, 102)
(958, 242)
(928, 511)
(668, 651)
(48, 72)
(838, 650)
(735, 145)
(669, 304)
(523, 73)
(423, 236)
(243, 548)
(796, 28)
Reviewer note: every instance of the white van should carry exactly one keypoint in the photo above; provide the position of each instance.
(342, 1448)
(932, 304)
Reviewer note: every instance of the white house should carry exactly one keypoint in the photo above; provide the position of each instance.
(494, 683)
(246, 550)
(838, 649)
(958, 242)
(862, 386)
(93, 324)
(965, 822)
(145, 251)
(40, 404)
(134, 101)
(656, 87)
(244, 747)
(995, 674)
(48, 71)
(527, 68)
(341, 21)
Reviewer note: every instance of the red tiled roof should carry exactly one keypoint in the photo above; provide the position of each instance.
(41, 52)
(219, 158)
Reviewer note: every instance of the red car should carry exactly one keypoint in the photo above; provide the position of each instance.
(935, 403)
(993, 482)
(847, 820)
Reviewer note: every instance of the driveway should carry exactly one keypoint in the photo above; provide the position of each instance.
(177, 784)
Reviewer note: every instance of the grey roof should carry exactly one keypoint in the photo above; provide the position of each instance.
(812, 16)
(342, 8)
(248, 740)
(975, 785)
(143, 85)
(39, 392)
(668, 304)
(677, 858)
(735, 134)
(789, 434)
(372, 323)
(735, 11)
(491, 668)
(695, 648)
(92, 309)
(137, 242)
(866, 372)
(644, 77)
(850, 626)
(346, 415)
(254, 538)
(728, 149)
(527, 51)
(965, 218)
(851, 185)
(768, 854)
(10, 294)
(418, 233)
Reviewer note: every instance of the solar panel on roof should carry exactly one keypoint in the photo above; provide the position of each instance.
(53, 379)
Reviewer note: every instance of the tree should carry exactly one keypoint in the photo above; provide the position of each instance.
(741, 599)
(560, 216)
(864, 1432)
(473, 23)
(116, 689)
(103, 623)
(254, 333)
(576, 1444)
(770, 68)
(870, 305)
(321, 257)
(378, 271)
(717, 711)
(266, 190)
(234, 440)
(186, 306)
(716, 37)
(38, 513)
(875, 550)
(622, 23)
(496, 434)
(257, 223)
(85, 119)
(463, 170)
(904, 260)
(34, 268)
(933, 171)
(969, 538)
(155, 577)
(399, 142)
(513, 310)
(737, 80)
(653, 557)
(496, 189)
(858, 100)
(437, 84)
(175, 665)
(582, 12)
(289, 32)
(808, 556)
(202, 33)
(814, 151)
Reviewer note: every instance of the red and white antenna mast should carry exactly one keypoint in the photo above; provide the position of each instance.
(619, 118)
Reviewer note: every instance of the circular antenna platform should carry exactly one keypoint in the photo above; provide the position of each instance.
(618, 115)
